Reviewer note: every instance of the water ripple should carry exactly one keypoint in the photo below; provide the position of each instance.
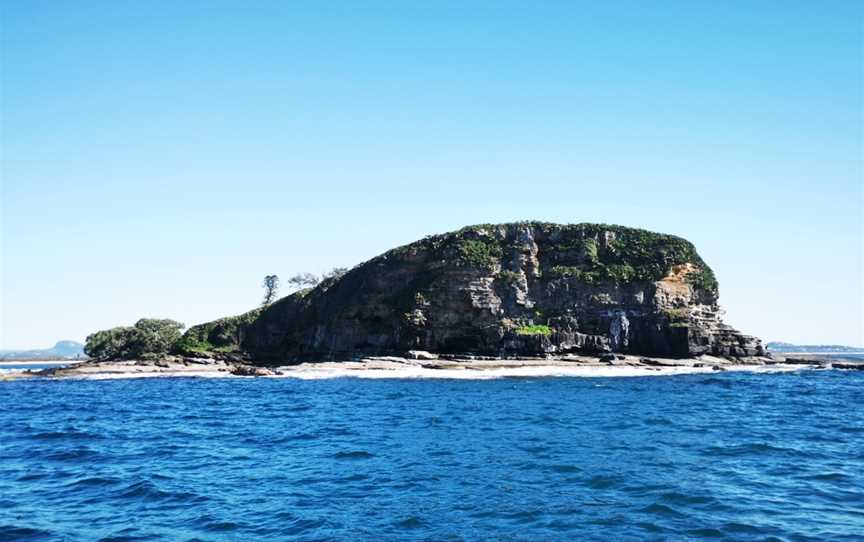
(719, 457)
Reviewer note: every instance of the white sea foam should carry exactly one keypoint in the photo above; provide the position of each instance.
(311, 372)
(522, 372)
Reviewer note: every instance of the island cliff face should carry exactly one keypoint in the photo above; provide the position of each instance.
(503, 290)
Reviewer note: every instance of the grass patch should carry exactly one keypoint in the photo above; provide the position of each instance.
(534, 330)
(480, 253)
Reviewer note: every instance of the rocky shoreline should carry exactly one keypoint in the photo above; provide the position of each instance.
(424, 364)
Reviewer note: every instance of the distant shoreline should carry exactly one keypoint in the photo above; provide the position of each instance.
(819, 353)
(4, 362)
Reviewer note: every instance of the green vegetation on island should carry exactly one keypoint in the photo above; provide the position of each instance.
(148, 338)
(589, 253)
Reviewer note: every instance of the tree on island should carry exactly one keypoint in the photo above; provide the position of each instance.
(303, 280)
(271, 287)
(148, 338)
(336, 273)
(309, 280)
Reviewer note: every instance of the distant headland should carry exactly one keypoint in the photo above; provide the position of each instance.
(61, 350)
(814, 348)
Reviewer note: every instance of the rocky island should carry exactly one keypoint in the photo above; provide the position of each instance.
(498, 290)
(487, 296)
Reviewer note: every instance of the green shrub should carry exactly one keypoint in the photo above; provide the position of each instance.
(192, 345)
(146, 339)
(480, 253)
(618, 273)
(534, 330)
(108, 343)
(704, 279)
(223, 335)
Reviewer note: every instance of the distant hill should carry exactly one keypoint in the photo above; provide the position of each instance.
(61, 350)
(789, 347)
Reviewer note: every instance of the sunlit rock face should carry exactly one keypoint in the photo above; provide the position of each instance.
(525, 288)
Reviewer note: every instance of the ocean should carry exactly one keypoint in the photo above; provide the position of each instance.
(728, 456)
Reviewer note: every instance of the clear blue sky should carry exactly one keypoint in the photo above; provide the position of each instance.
(159, 158)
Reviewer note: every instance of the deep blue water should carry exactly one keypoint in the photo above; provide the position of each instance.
(729, 456)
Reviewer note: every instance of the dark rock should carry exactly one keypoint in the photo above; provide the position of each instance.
(848, 365)
(249, 370)
(199, 361)
(514, 290)
(655, 362)
(802, 361)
